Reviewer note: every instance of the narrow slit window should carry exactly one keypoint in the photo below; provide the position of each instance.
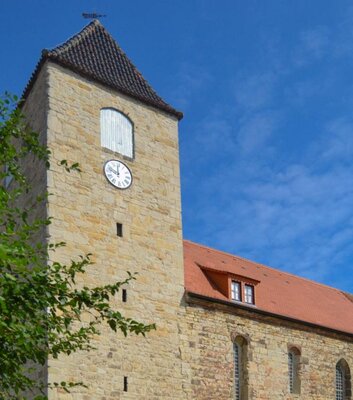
(124, 295)
(249, 294)
(339, 383)
(291, 372)
(116, 132)
(119, 229)
(343, 384)
(236, 291)
(237, 371)
(125, 384)
(240, 369)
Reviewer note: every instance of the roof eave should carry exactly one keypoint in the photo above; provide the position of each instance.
(47, 57)
(193, 295)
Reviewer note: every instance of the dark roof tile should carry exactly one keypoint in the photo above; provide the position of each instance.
(93, 53)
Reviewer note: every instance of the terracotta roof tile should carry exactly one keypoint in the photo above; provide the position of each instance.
(94, 54)
(278, 292)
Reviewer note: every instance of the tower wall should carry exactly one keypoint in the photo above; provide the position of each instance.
(35, 110)
(86, 208)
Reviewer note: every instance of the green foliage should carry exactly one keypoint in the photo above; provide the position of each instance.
(41, 307)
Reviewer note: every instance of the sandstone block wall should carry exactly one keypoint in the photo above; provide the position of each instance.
(86, 209)
(190, 356)
(207, 352)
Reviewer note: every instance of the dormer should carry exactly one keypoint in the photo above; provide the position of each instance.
(237, 288)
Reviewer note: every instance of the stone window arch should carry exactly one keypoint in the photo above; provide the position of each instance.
(294, 382)
(117, 132)
(343, 381)
(240, 358)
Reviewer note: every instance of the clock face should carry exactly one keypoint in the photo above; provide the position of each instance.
(118, 174)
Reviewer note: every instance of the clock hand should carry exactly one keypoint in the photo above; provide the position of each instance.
(112, 170)
(117, 169)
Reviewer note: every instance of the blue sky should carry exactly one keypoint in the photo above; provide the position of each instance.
(266, 87)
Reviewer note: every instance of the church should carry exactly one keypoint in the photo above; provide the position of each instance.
(227, 328)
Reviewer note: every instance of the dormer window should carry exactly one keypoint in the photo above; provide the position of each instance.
(242, 290)
(249, 294)
(236, 288)
(236, 291)
(116, 132)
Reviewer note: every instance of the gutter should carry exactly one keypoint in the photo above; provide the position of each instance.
(191, 295)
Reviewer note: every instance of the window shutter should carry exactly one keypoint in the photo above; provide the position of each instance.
(116, 132)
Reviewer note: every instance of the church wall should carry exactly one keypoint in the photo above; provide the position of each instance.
(190, 356)
(207, 353)
(86, 208)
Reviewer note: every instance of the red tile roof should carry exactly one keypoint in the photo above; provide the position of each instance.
(278, 292)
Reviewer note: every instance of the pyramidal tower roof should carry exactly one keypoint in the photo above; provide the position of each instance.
(94, 54)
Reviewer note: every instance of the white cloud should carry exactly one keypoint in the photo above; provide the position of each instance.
(189, 82)
(312, 45)
(255, 131)
(254, 91)
(339, 139)
(295, 214)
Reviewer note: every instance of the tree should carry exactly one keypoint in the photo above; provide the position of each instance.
(40, 304)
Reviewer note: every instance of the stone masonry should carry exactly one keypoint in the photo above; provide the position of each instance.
(207, 352)
(190, 355)
(86, 209)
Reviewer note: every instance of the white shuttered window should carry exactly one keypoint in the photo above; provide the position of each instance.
(116, 132)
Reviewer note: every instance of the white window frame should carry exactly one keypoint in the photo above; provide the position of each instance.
(117, 132)
(236, 290)
(249, 294)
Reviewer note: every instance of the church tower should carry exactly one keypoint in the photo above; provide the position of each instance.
(92, 106)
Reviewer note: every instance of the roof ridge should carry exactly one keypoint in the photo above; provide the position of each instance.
(271, 268)
(95, 54)
(348, 295)
(119, 48)
(74, 39)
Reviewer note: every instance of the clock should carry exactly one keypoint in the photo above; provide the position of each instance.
(118, 174)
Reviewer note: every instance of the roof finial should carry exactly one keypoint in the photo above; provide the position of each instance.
(93, 15)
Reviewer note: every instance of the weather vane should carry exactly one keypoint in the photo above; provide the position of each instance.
(92, 15)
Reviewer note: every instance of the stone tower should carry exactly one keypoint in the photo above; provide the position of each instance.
(80, 89)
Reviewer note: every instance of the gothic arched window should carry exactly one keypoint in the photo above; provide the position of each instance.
(240, 368)
(116, 132)
(293, 370)
(343, 381)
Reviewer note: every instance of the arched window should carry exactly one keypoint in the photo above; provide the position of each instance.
(293, 370)
(343, 381)
(116, 132)
(240, 368)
